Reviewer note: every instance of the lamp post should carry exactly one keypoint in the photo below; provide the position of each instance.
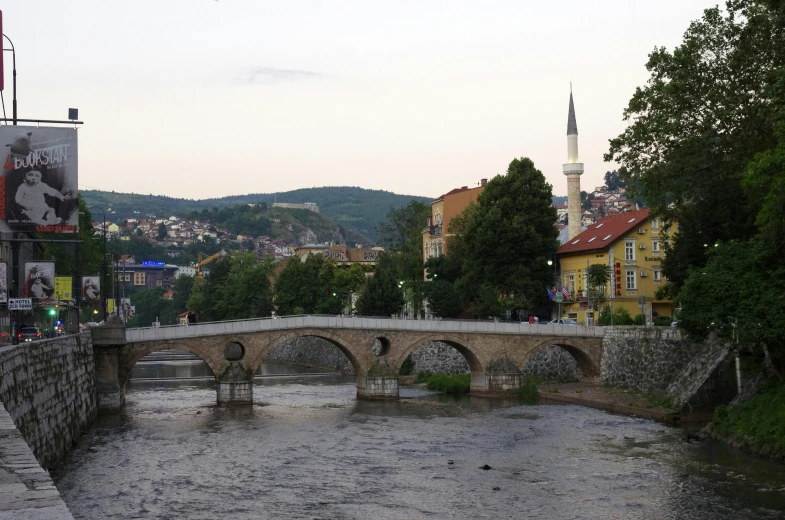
(13, 68)
(103, 258)
(557, 296)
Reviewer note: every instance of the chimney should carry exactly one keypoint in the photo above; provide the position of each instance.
(483, 182)
(464, 187)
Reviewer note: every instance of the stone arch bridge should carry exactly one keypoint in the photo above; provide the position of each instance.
(376, 347)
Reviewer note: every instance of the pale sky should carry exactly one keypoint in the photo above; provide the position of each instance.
(206, 98)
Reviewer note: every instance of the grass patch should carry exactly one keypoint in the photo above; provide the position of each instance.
(449, 384)
(528, 390)
(760, 418)
(652, 400)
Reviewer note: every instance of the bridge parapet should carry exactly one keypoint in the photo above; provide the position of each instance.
(357, 323)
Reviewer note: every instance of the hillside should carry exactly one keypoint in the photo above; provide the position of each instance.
(350, 207)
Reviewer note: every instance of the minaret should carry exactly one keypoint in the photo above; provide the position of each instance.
(573, 170)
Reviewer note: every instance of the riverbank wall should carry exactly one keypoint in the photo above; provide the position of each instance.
(48, 389)
(694, 376)
(26, 489)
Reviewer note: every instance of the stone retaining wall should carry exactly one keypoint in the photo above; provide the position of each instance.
(311, 352)
(48, 388)
(693, 375)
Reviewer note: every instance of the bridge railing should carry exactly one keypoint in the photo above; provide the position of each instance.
(356, 322)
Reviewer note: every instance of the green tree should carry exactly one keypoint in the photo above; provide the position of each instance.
(161, 231)
(182, 288)
(150, 306)
(246, 291)
(707, 109)
(443, 300)
(738, 296)
(508, 237)
(599, 276)
(381, 296)
(614, 181)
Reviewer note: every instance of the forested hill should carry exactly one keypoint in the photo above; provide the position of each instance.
(351, 207)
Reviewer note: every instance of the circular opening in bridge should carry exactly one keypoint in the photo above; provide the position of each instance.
(234, 351)
(380, 346)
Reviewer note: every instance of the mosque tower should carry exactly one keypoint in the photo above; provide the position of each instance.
(573, 170)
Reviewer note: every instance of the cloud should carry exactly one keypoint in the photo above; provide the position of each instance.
(269, 75)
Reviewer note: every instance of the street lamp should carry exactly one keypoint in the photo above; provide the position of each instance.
(103, 258)
(13, 65)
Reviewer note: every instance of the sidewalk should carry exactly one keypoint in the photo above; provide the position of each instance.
(26, 490)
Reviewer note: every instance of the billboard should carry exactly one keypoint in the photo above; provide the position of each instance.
(63, 287)
(3, 282)
(127, 311)
(39, 280)
(91, 288)
(38, 182)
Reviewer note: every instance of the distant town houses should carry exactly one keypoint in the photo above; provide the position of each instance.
(603, 203)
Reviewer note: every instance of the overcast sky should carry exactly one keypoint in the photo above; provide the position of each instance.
(206, 98)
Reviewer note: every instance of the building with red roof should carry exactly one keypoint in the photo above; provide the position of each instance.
(630, 245)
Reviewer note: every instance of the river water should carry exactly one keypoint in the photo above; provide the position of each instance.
(308, 449)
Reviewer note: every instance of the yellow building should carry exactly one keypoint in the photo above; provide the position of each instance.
(443, 210)
(630, 244)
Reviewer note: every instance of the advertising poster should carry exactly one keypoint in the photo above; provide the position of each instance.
(127, 311)
(38, 182)
(110, 307)
(40, 281)
(63, 287)
(3, 282)
(91, 288)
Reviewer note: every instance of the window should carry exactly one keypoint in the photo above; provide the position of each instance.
(571, 283)
(631, 280)
(655, 246)
(655, 224)
(609, 236)
(592, 239)
(656, 275)
(629, 250)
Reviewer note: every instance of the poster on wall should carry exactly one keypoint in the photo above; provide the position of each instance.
(39, 280)
(3, 282)
(63, 287)
(127, 311)
(38, 182)
(91, 288)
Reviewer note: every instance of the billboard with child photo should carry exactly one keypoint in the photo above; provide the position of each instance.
(39, 280)
(38, 182)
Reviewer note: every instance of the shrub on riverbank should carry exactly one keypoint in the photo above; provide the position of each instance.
(757, 424)
(528, 390)
(450, 384)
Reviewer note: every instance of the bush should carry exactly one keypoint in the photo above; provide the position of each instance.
(449, 384)
(620, 317)
(640, 319)
(662, 321)
(407, 366)
(761, 417)
(528, 391)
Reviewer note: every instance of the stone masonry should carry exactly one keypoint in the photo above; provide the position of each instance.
(48, 388)
(375, 348)
(26, 490)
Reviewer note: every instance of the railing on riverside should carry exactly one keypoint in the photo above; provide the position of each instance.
(357, 322)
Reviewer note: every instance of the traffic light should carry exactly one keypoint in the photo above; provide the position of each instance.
(52, 312)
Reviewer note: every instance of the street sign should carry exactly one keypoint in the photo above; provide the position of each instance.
(641, 300)
(20, 304)
(559, 297)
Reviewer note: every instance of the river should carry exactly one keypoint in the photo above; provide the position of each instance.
(308, 449)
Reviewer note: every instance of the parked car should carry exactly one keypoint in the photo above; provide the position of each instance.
(564, 321)
(29, 333)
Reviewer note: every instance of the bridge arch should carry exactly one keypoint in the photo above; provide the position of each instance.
(255, 359)
(586, 363)
(475, 363)
(132, 353)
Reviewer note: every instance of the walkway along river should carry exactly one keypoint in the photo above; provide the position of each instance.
(308, 449)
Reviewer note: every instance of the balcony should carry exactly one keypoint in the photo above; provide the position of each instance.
(435, 231)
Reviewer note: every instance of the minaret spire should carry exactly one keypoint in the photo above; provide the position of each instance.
(573, 170)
